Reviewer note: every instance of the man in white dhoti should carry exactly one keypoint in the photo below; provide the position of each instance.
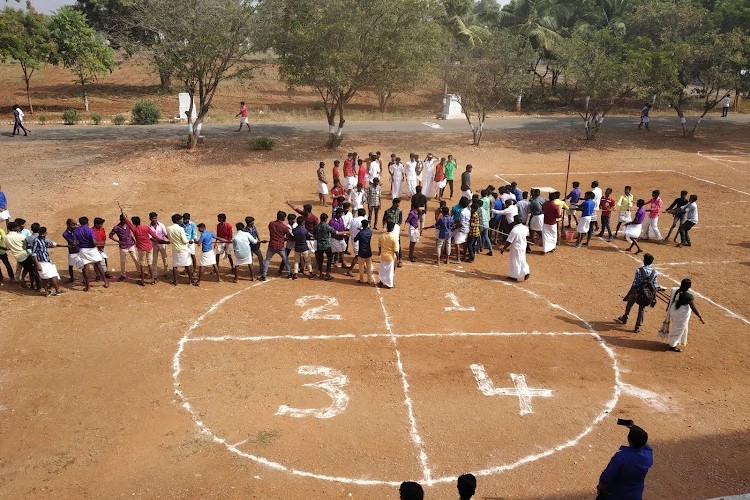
(46, 269)
(680, 306)
(397, 171)
(428, 175)
(389, 247)
(411, 176)
(322, 184)
(517, 241)
(373, 172)
(551, 212)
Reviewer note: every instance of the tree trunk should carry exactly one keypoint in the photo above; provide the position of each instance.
(518, 102)
(383, 97)
(478, 134)
(28, 96)
(555, 76)
(86, 102)
(165, 80)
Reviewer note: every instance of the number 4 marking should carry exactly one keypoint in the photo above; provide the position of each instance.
(456, 306)
(520, 389)
(331, 385)
(318, 312)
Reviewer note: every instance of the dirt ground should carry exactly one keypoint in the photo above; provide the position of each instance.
(177, 392)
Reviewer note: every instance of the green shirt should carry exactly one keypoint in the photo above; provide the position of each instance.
(449, 168)
(2, 242)
(323, 233)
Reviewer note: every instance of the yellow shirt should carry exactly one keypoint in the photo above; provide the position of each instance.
(563, 207)
(625, 202)
(2, 237)
(176, 236)
(388, 246)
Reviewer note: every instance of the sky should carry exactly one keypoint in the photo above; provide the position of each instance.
(47, 6)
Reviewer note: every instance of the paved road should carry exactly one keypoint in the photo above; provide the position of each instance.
(427, 125)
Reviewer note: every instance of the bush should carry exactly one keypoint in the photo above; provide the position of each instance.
(70, 117)
(42, 119)
(118, 120)
(145, 113)
(262, 143)
(96, 118)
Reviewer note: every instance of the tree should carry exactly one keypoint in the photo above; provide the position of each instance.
(203, 42)
(80, 48)
(25, 37)
(600, 68)
(326, 45)
(492, 73)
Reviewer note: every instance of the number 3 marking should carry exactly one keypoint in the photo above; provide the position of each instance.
(331, 385)
(318, 312)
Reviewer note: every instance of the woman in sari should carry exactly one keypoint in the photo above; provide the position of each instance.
(681, 306)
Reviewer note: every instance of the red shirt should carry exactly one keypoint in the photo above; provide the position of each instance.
(348, 168)
(551, 212)
(101, 235)
(336, 192)
(362, 175)
(439, 173)
(277, 235)
(224, 231)
(310, 221)
(142, 235)
(336, 173)
(243, 111)
(606, 205)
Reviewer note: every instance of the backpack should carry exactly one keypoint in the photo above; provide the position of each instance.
(646, 293)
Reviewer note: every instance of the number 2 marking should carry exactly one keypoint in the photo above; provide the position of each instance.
(318, 312)
(456, 306)
(331, 385)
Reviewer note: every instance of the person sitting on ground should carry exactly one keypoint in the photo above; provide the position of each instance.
(409, 490)
(467, 486)
(624, 477)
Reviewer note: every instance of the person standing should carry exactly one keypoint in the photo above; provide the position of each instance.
(536, 224)
(450, 168)
(597, 201)
(633, 229)
(644, 116)
(85, 240)
(255, 247)
(323, 233)
(4, 258)
(652, 223)
(350, 178)
(419, 203)
(310, 221)
(645, 279)
(462, 220)
(322, 184)
(363, 242)
(224, 234)
(180, 254)
(679, 308)
(606, 205)
(44, 266)
(338, 243)
(101, 235)
(396, 216)
(73, 250)
(243, 117)
(191, 231)
(444, 226)
(440, 179)
(691, 219)
(242, 246)
(15, 243)
(278, 233)
(389, 250)
(373, 201)
(361, 172)
(121, 234)
(428, 175)
(485, 215)
(159, 249)
(624, 204)
(551, 212)
(18, 121)
(624, 478)
(574, 196)
(208, 256)
(586, 225)
(467, 486)
(396, 170)
(4, 213)
(358, 197)
(411, 175)
(678, 215)
(517, 242)
(144, 237)
(466, 182)
(725, 106)
(301, 236)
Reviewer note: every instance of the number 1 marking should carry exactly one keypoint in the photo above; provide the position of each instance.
(456, 306)
(331, 385)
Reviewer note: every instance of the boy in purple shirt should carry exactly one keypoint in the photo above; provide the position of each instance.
(574, 196)
(633, 229)
(126, 243)
(72, 248)
(444, 226)
(85, 239)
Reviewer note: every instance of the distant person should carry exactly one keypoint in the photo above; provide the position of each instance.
(679, 217)
(322, 183)
(634, 228)
(409, 490)
(651, 225)
(679, 308)
(450, 167)
(644, 116)
(18, 121)
(517, 241)
(725, 106)
(625, 476)
(605, 205)
(644, 283)
(691, 219)
(243, 117)
(466, 182)
(624, 204)
(389, 250)
(467, 486)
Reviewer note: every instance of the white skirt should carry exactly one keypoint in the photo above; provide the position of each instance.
(413, 234)
(624, 217)
(191, 248)
(208, 259)
(396, 189)
(74, 260)
(4, 215)
(312, 245)
(243, 262)
(322, 188)
(442, 184)
(350, 183)
(338, 245)
(459, 237)
(181, 259)
(224, 250)
(89, 256)
(386, 272)
(632, 231)
(537, 222)
(48, 271)
(518, 268)
(466, 194)
(583, 224)
(549, 237)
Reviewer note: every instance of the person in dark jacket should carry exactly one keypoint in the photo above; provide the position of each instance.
(625, 476)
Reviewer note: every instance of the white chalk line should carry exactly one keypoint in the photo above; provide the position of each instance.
(653, 399)
(724, 162)
(413, 430)
(728, 311)
(697, 263)
(352, 336)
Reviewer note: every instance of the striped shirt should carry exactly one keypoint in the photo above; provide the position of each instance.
(39, 249)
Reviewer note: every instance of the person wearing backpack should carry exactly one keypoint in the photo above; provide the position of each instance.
(642, 292)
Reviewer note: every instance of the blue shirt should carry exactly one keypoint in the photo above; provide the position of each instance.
(587, 208)
(206, 241)
(643, 273)
(191, 230)
(518, 194)
(574, 196)
(300, 238)
(499, 205)
(3, 200)
(625, 475)
(444, 226)
(364, 238)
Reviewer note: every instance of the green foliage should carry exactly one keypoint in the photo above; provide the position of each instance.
(25, 37)
(119, 120)
(96, 118)
(80, 48)
(262, 143)
(42, 120)
(145, 113)
(70, 117)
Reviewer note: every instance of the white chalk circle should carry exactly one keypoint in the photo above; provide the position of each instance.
(204, 429)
